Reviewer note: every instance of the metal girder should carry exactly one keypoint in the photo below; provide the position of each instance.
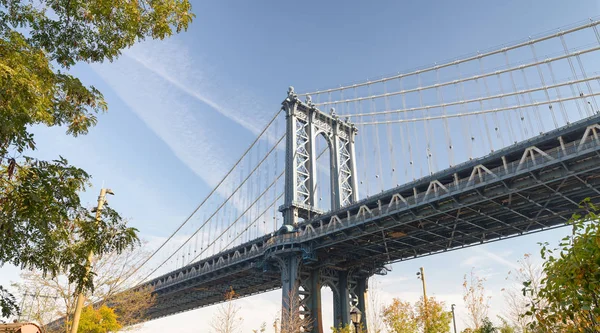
(497, 200)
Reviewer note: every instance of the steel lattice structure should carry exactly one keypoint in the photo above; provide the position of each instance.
(442, 162)
(532, 186)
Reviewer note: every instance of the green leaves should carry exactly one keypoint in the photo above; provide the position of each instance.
(42, 222)
(572, 284)
(43, 225)
(8, 303)
(96, 30)
(429, 317)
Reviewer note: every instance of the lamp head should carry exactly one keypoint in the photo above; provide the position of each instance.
(355, 315)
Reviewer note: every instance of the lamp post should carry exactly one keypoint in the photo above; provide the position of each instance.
(421, 276)
(81, 296)
(453, 318)
(355, 317)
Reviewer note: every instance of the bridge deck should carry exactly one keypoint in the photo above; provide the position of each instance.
(528, 187)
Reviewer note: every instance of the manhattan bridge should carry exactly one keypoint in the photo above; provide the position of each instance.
(343, 182)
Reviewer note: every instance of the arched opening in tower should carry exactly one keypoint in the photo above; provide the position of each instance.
(323, 189)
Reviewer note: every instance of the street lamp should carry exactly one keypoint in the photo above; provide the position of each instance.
(355, 317)
(453, 318)
(421, 276)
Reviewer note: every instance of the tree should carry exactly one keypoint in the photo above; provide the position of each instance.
(400, 317)
(374, 316)
(101, 320)
(487, 326)
(39, 202)
(433, 318)
(8, 303)
(506, 327)
(292, 321)
(45, 299)
(227, 319)
(569, 299)
(518, 302)
(262, 329)
(475, 300)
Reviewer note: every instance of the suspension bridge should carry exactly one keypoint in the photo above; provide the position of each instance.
(345, 181)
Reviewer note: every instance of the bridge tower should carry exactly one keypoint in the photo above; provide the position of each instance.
(304, 123)
(301, 272)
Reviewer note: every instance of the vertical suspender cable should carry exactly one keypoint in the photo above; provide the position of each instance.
(563, 110)
(428, 152)
(402, 143)
(511, 135)
(445, 120)
(390, 136)
(469, 134)
(408, 140)
(537, 66)
(377, 146)
(536, 110)
(364, 149)
(575, 93)
(494, 114)
(589, 87)
(523, 128)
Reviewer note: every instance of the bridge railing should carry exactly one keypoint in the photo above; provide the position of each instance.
(536, 159)
(532, 159)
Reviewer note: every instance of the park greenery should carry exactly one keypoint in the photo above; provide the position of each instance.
(44, 298)
(560, 295)
(569, 298)
(100, 320)
(40, 208)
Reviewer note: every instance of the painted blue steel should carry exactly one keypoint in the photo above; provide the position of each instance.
(516, 200)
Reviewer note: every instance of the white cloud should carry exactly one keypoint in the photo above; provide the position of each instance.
(499, 259)
(173, 63)
(176, 121)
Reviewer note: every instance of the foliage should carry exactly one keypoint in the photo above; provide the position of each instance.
(432, 318)
(46, 299)
(349, 328)
(569, 300)
(292, 321)
(345, 329)
(131, 305)
(8, 303)
(475, 300)
(506, 327)
(487, 327)
(101, 320)
(402, 317)
(517, 302)
(40, 208)
(227, 320)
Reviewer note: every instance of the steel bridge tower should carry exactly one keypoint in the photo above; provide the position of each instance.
(303, 272)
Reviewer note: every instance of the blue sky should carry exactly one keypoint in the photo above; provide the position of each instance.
(181, 111)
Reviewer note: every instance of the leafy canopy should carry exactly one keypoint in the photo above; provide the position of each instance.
(429, 317)
(101, 320)
(43, 224)
(569, 299)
